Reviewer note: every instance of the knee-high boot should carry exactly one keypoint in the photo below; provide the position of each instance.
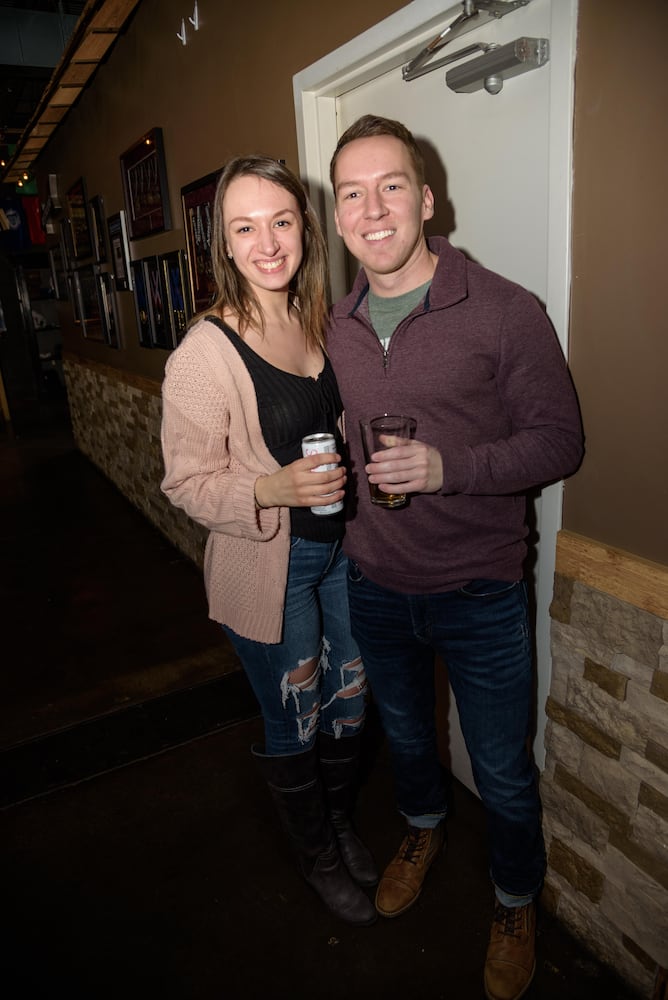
(339, 765)
(296, 790)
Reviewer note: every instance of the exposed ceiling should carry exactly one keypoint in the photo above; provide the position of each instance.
(49, 52)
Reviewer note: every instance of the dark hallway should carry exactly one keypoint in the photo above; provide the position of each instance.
(141, 855)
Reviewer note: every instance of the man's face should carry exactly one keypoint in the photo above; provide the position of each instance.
(380, 206)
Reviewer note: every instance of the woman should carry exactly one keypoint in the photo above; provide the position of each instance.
(248, 382)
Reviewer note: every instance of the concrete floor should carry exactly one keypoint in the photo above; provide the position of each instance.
(140, 853)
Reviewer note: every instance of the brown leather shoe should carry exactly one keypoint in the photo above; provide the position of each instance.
(402, 880)
(511, 955)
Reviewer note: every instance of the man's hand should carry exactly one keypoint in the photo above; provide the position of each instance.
(411, 467)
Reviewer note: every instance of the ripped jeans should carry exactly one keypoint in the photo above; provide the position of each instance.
(314, 679)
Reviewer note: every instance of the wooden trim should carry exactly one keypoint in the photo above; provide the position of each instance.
(639, 582)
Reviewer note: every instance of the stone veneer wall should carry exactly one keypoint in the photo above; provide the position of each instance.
(116, 424)
(605, 784)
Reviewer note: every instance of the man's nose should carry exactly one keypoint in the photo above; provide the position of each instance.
(375, 206)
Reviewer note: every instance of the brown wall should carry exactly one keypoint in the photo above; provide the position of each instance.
(229, 90)
(619, 317)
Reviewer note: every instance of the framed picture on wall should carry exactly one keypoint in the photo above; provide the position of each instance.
(197, 206)
(175, 280)
(142, 313)
(58, 275)
(161, 329)
(98, 228)
(145, 186)
(111, 329)
(120, 251)
(90, 310)
(77, 205)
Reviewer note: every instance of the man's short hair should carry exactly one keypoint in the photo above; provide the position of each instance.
(373, 125)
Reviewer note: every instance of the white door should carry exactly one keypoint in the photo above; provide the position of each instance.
(501, 186)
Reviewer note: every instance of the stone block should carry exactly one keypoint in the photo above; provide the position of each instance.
(610, 780)
(560, 608)
(646, 706)
(576, 870)
(659, 686)
(651, 833)
(640, 673)
(562, 744)
(651, 799)
(645, 860)
(614, 817)
(643, 769)
(604, 939)
(623, 627)
(608, 680)
(629, 725)
(636, 905)
(657, 754)
(582, 728)
(567, 818)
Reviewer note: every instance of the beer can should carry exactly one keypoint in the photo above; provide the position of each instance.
(321, 444)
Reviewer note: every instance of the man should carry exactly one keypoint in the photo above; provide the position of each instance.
(427, 333)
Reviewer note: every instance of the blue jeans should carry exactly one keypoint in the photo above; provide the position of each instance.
(482, 633)
(314, 678)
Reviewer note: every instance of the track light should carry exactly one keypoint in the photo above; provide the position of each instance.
(500, 63)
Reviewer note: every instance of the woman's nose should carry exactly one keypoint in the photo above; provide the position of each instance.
(267, 241)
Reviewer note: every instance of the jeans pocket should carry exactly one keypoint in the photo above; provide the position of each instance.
(355, 574)
(295, 542)
(488, 589)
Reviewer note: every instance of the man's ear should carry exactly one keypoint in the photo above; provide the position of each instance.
(427, 203)
(336, 222)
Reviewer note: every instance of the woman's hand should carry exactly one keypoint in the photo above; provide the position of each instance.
(411, 467)
(296, 485)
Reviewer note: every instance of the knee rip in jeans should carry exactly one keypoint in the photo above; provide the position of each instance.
(304, 679)
(352, 690)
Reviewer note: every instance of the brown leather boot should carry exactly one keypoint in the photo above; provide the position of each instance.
(511, 955)
(402, 880)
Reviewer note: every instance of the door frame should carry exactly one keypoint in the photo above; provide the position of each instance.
(386, 46)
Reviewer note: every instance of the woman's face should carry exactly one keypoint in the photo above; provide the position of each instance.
(263, 232)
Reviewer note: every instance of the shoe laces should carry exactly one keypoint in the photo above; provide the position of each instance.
(509, 919)
(415, 844)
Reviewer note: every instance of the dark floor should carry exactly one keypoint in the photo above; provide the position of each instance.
(141, 856)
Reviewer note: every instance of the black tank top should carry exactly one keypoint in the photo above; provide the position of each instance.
(290, 407)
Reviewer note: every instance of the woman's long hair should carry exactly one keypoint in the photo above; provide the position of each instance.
(308, 290)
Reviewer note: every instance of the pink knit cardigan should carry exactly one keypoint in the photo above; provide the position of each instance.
(214, 452)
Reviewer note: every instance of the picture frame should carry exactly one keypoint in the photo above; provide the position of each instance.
(120, 251)
(175, 280)
(110, 323)
(197, 201)
(58, 273)
(98, 235)
(77, 205)
(161, 328)
(66, 246)
(142, 314)
(90, 309)
(145, 186)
